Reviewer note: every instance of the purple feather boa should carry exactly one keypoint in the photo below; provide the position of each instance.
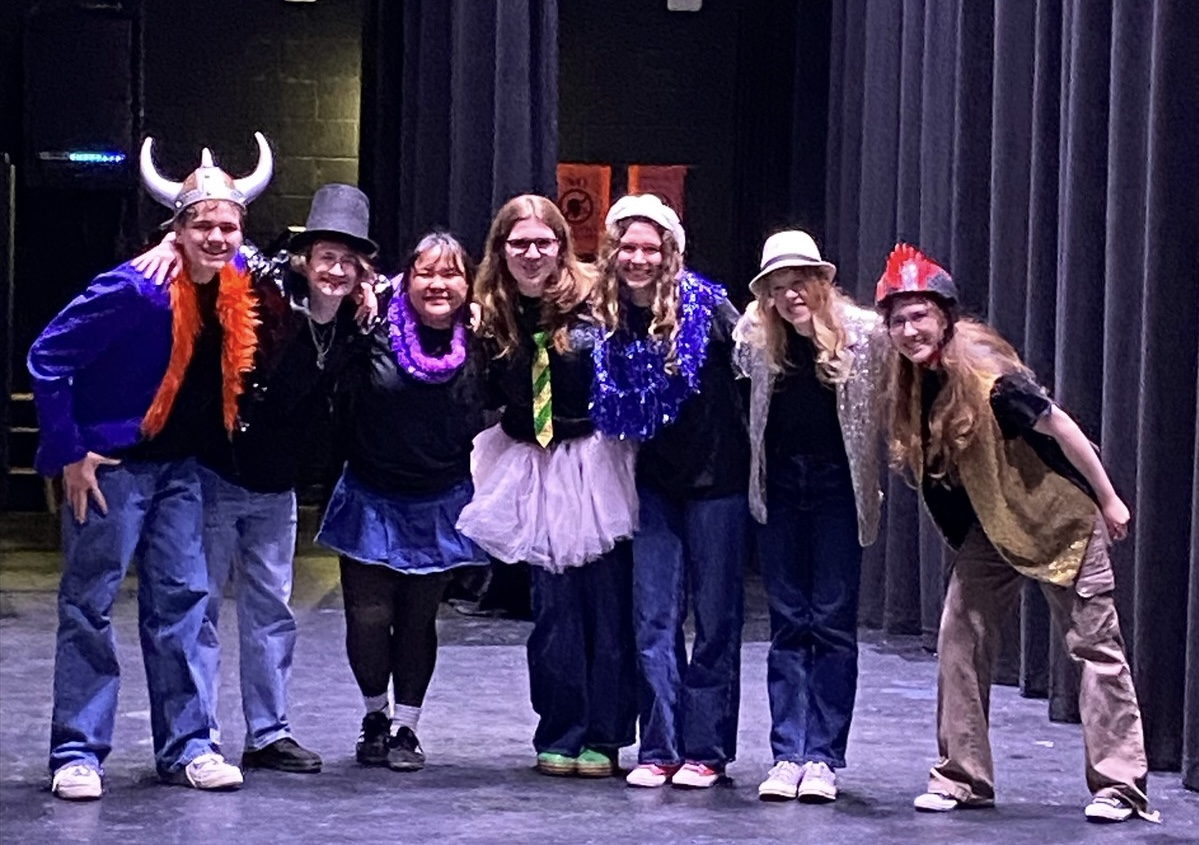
(402, 323)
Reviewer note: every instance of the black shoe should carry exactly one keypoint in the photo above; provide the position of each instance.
(372, 742)
(283, 755)
(404, 753)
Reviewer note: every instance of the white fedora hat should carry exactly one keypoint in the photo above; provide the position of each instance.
(789, 248)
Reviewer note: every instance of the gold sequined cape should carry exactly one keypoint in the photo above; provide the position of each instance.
(859, 407)
(1037, 520)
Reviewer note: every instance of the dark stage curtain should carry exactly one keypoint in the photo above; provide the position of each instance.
(1043, 151)
(459, 113)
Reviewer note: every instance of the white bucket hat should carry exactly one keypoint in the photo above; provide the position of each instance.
(652, 208)
(789, 248)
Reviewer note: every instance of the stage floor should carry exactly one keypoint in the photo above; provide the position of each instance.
(479, 785)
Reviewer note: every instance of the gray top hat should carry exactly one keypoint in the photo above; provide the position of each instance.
(338, 213)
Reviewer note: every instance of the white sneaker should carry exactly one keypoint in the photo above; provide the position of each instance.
(782, 781)
(936, 802)
(77, 782)
(210, 771)
(819, 784)
(1107, 810)
(696, 776)
(650, 775)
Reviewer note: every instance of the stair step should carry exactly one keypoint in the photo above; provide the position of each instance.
(22, 413)
(22, 446)
(25, 491)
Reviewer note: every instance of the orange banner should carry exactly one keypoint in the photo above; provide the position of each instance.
(584, 191)
(665, 180)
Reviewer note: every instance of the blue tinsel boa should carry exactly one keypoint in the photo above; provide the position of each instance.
(632, 395)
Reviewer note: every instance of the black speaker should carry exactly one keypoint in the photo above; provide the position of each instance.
(80, 104)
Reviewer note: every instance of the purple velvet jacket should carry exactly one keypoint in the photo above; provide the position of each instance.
(97, 367)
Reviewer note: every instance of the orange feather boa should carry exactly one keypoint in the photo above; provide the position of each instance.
(236, 312)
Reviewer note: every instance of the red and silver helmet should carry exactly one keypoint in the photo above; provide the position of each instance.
(207, 182)
(910, 271)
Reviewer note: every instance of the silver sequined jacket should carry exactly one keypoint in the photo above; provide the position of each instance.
(859, 409)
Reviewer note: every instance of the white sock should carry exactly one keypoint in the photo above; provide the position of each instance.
(404, 716)
(376, 703)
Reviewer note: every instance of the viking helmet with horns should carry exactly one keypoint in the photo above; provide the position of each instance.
(207, 182)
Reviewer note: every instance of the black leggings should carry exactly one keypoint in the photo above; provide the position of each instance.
(391, 628)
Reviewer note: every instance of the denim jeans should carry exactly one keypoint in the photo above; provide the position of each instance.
(811, 565)
(154, 514)
(695, 548)
(250, 539)
(582, 675)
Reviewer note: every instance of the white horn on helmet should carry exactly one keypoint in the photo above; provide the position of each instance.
(159, 187)
(254, 184)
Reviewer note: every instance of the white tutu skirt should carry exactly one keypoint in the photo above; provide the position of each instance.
(553, 508)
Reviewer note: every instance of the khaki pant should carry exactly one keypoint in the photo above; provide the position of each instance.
(982, 589)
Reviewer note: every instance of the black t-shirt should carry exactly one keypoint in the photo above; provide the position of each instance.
(403, 435)
(511, 380)
(704, 453)
(196, 420)
(803, 419)
(1017, 401)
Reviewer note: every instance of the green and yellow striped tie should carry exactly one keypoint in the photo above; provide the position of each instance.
(543, 410)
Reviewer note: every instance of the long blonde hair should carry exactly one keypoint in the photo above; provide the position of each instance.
(826, 302)
(573, 293)
(664, 310)
(973, 357)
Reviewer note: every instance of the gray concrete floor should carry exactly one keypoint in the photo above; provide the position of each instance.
(479, 786)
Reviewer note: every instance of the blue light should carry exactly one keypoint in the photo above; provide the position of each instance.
(95, 157)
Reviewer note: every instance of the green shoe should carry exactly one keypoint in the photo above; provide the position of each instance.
(549, 763)
(593, 763)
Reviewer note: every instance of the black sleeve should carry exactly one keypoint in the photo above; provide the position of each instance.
(1018, 401)
(492, 371)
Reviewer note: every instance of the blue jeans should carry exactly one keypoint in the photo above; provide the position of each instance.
(811, 564)
(154, 513)
(696, 548)
(582, 676)
(250, 539)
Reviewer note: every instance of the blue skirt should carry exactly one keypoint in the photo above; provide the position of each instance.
(410, 534)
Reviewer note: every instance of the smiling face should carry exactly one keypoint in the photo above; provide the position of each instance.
(639, 256)
(208, 234)
(333, 269)
(437, 287)
(531, 254)
(917, 325)
(790, 289)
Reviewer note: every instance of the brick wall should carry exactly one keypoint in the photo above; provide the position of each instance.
(217, 71)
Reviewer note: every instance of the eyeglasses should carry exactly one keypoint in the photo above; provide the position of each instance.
(896, 323)
(326, 261)
(519, 246)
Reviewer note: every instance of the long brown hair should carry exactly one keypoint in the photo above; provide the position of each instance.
(664, 311)
(973, 357)
(826, 302)
(572, 293)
